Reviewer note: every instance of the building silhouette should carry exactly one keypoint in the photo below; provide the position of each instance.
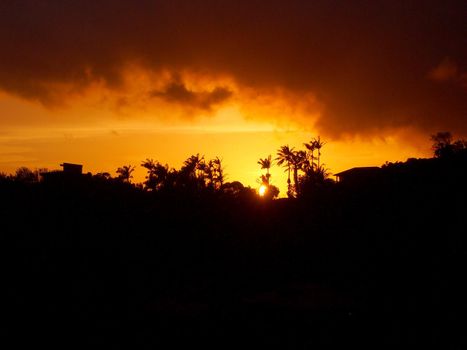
(357, 175)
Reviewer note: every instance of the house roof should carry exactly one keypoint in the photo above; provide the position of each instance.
(359, 170)
(71, 164)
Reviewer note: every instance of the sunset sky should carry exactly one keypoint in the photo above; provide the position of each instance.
(112, 82)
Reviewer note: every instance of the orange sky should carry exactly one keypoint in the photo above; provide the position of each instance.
(115, 82)
(117, 140)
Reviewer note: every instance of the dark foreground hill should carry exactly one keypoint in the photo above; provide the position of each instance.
(88, 262)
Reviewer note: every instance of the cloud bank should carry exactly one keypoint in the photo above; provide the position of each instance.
(370, 65)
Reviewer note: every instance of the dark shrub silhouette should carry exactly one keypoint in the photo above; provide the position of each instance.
(26, 175)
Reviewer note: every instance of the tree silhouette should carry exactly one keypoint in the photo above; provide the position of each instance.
(158, 175)
(311, 147)
(125, 173)
(316, 176)
(233, 188)
(271, 192)
(266, 163)
(216, 173)
(444, 146)
(315, 145)
(26, 175)
(150, 183)
(318, 145)
(299, 162)
(210, 175)
(192, 175)
(219, 171)
(193, 167)
(284, 158)
(195, 175)
(103, 175)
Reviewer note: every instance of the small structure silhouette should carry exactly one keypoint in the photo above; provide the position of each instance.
(72, 169)
(69, 171)
(357, 175)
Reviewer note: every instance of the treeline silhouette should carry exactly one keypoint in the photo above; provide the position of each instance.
(199, 176)
(188, 258)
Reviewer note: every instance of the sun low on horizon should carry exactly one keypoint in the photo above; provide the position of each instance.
(117, 82)
(236, 140)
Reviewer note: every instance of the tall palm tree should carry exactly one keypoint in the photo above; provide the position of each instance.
(299, 161)
(266, 163)
(311, 146)
(124, 173)
(318, 145)
(284, 158)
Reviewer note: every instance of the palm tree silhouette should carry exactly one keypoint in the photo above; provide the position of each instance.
(318, 145)
(315, 145)
(124, 173)
(299, 162)
(150, 165)
(266, 163)
(311, 147)
(157, 174)
(284, 158)
(194, 173)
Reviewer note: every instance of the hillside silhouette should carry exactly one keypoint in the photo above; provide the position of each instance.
(189, 258)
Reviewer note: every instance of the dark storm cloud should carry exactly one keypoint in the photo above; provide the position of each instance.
(177, 92)
(372, 64)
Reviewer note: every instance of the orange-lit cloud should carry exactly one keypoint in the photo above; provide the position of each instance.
(364, 63)
(177, 92)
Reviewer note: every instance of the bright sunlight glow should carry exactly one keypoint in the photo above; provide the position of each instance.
(262, 190)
